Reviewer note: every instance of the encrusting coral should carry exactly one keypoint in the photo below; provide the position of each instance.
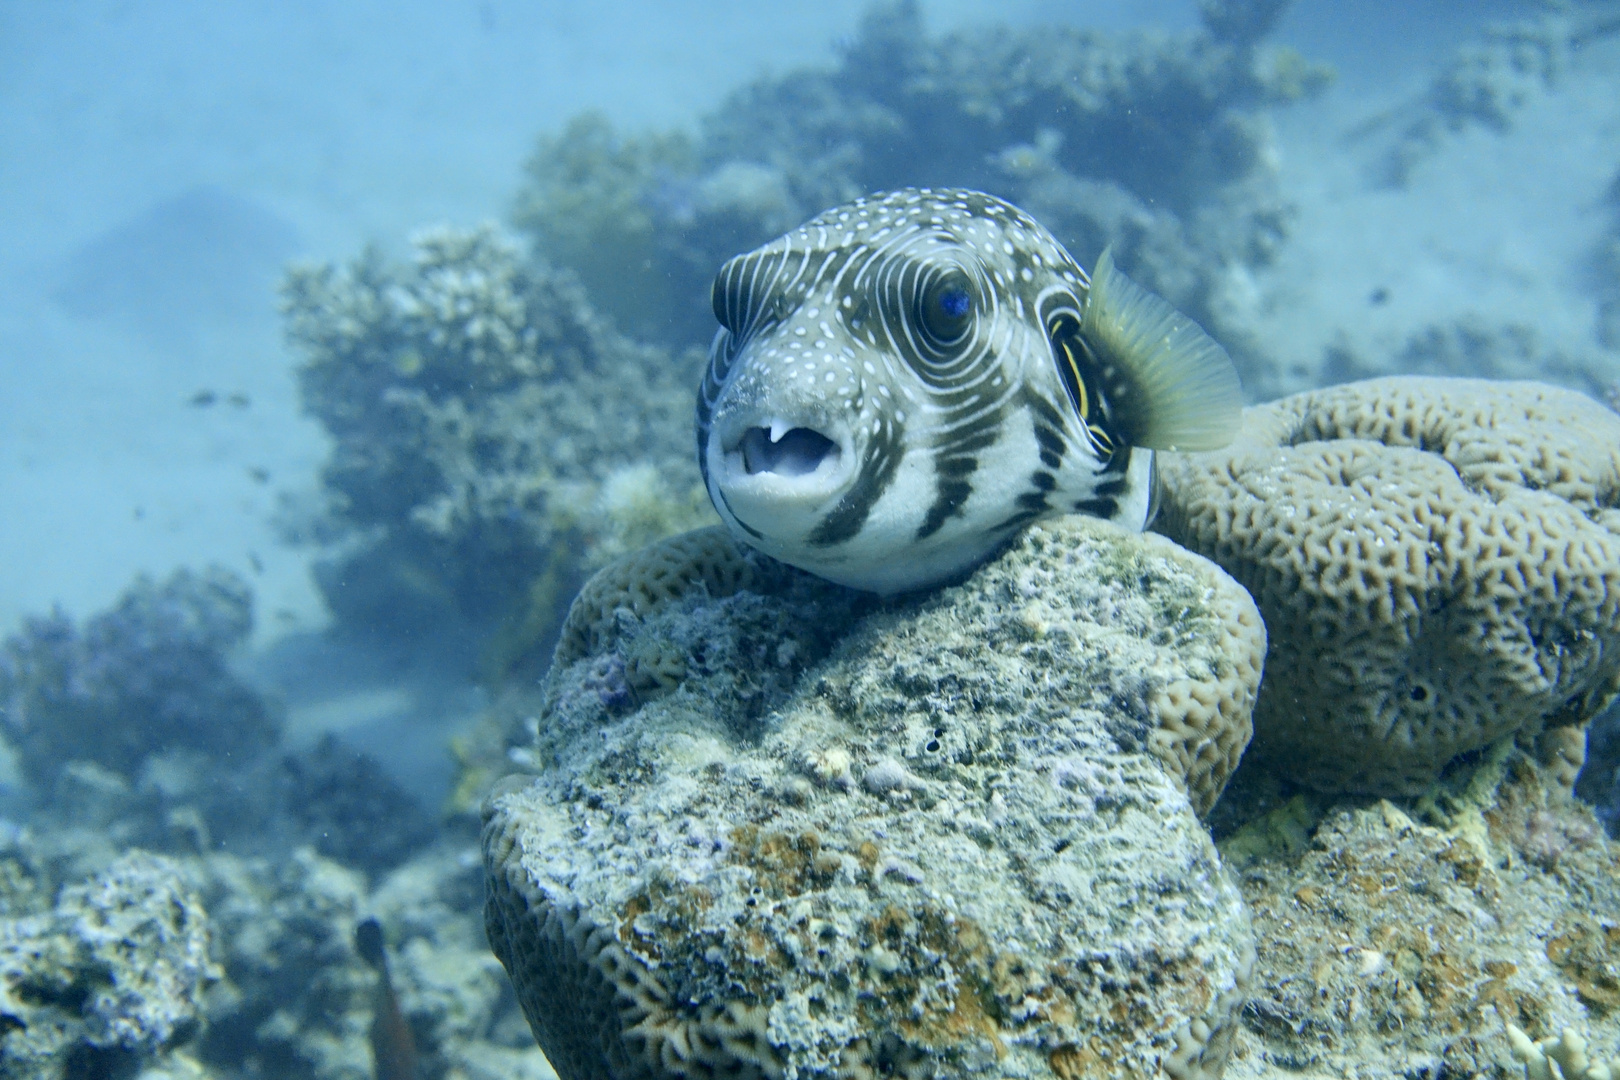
(1438, 564)
(954, 833)
(491, 431)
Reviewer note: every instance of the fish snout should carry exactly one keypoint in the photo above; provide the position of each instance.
(777, 472)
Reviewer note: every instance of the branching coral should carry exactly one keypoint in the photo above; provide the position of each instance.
(487, 424)
(1166, 127)
(150, 674)
(1561, 1058)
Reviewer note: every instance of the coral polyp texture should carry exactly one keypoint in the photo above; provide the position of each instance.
(946, 835)
(489, 428)
(1438, 563)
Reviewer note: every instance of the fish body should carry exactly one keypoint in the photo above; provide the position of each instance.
(905, 381)
(393, 1048)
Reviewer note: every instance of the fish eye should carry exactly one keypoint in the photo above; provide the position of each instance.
(945, 308)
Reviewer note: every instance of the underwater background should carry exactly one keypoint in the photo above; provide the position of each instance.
(341, 344)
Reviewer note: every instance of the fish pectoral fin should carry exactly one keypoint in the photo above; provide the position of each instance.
(1169, 385)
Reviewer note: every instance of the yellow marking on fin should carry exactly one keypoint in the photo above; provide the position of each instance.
(1084, 402)
(1169, 385)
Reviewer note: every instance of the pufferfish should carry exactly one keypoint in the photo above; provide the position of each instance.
(902, 383)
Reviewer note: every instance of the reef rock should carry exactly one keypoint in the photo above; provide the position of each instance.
(954, 835)
(110, 979)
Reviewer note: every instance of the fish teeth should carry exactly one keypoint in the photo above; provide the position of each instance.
(779, 428)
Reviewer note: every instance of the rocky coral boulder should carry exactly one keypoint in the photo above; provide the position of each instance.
(111, 979)
(963, 841)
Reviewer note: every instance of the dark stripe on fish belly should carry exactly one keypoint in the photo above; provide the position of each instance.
(952, 493)
(1103, 508)
(843, 522)
(1052, 446)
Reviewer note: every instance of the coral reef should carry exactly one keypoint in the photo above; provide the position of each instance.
(1154, 144)
(353, 812)
(966, 839)
(112, 978)
(1438, 564)
(1393, 947)
(134, 730)
(301, 998)
(1488, 81)
(150, 674)
(488, 428)
(215, 964)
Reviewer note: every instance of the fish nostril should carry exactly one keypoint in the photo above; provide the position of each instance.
(798, 452)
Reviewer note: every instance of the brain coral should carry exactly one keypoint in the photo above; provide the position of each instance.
(952, 844)
(1438, 563)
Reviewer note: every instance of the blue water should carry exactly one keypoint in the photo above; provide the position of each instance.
(162, 163)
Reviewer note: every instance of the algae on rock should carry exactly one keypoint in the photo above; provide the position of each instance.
(1389, 946)
(953, 832)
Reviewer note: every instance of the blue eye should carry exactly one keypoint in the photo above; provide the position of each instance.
(946, 308)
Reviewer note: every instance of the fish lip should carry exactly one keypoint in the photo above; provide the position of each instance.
(764, 489)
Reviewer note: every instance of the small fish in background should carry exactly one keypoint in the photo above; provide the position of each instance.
(202, 399)
(392, 1046)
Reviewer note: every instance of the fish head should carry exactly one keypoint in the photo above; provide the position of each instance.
(901, 383)
(867, 372)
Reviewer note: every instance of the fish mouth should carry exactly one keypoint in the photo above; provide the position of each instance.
(798, 451)
(778, 475)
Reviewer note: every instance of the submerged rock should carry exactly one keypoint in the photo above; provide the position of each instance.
(961, 843)
(111, 979)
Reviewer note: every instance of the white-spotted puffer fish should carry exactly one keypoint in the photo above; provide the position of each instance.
(903, 382)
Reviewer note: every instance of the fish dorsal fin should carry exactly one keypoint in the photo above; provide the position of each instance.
(1169, 385)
